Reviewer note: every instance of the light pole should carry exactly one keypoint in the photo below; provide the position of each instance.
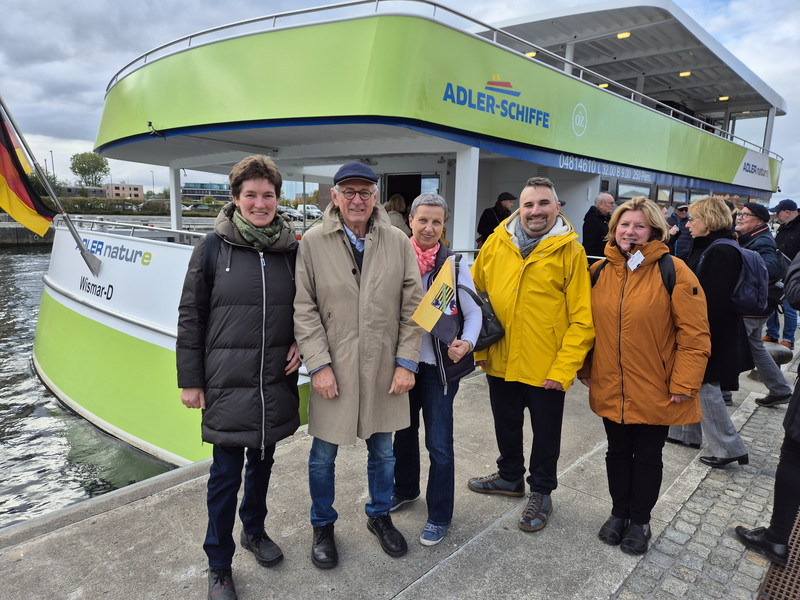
(153, 177)
(53, 165)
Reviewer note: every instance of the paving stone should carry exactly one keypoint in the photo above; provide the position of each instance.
(677, 536)
(685, 574)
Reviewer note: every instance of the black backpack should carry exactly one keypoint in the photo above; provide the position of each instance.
(665, 265)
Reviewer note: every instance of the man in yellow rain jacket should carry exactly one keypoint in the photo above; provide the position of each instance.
(536, 275)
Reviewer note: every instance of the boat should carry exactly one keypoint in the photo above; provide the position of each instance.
(634, 98)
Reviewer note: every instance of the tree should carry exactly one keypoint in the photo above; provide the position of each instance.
(90, 168)
(39, 188)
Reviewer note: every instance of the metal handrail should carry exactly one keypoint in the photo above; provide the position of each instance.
(486, 32)
(98, 224)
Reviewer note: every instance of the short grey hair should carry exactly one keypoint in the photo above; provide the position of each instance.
(541, 182)
(429, 199)
(602, 196)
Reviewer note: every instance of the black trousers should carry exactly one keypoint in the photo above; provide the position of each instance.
(634, 467)
(787, 492)
(546, 407)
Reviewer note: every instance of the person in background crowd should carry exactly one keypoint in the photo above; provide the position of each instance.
(535, 272)
(773, 541)
(440, 369)
(647, 366)
(494, 215)
(754, 234)
(595, 226)
(237, 360)
(396, 209)
(358, 286)
(787, 239)
(710, 220)
(683, 240)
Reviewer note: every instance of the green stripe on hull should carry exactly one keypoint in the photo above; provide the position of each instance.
(121, 380)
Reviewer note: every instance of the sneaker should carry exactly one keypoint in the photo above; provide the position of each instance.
(536, 513)
(772, 400)
(494, 484)
(220, 585)
(769, 338)
(266, 551)
(789, 345)
(398, 501)
(432, 534)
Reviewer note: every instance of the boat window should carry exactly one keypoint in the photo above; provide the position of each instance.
(662, 196)
(626, 191)
(678, 197)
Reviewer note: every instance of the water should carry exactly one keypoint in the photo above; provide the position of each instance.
(49, 457)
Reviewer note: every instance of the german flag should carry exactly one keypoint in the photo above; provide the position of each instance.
(17, 196)
(437, 313)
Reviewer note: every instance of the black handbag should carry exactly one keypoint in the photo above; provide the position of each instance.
(491, 327)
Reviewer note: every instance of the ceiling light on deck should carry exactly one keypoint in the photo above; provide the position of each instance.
(530, 54)
(724, 98)
(603, 85)
(624, 34)
(685, 73)
(745, 112)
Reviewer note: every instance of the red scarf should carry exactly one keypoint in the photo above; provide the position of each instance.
(426, 259)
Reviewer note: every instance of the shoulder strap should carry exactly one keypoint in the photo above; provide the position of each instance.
(599, 268)
(210, 251)
(667, 267)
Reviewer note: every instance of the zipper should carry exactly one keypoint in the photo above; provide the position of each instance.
(619, 344)
(263, 343)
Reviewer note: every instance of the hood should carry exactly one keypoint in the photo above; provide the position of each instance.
(225, 229)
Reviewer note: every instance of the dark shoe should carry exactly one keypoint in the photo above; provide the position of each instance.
(612, 529)
(680, 443)
(494, 484)
(536, 513)
(756, 540)
(634, 540)
(220, 585)
(713, 461)
(398, 501)
(323, 549)
(392, 541)
(771, 400)
(266, 551)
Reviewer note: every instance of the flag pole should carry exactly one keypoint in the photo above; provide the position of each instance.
(91, 260)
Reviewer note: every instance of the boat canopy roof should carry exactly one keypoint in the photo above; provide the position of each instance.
(663, 43)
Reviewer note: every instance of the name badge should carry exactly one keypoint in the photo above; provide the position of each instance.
(635, 260)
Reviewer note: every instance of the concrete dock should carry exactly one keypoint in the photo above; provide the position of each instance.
(145, 541)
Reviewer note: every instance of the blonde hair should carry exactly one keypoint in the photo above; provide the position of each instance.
(652, 214)
(715, 213)
(397, 203)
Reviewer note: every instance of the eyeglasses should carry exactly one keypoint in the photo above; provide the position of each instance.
(350, 193)
(744, 215)
(690, 219)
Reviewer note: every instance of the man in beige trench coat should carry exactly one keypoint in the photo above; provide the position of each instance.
(358, 285)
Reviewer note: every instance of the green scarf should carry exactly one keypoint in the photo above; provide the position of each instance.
(260, 237)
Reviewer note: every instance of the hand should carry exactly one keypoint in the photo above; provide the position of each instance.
(549, 384)
(585, 381)
(324, 382)
(457, 350)
(674, 229)
(402, 381)
(292, 359)
(480, 364)
(193, 397)
(678, 398)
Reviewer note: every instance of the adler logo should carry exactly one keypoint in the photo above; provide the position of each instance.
(494, 99)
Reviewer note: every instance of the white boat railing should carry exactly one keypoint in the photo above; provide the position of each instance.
(138, 229)
(358, 9)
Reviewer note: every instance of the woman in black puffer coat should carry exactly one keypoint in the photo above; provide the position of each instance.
(237, 359)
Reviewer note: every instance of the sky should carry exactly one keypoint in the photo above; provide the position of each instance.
(57, 57)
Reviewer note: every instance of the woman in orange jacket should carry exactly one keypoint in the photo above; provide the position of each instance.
(650, 352)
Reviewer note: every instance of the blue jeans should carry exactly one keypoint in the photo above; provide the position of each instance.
(224, 480)
(322, 480)
(437, 411)
(789, 323)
